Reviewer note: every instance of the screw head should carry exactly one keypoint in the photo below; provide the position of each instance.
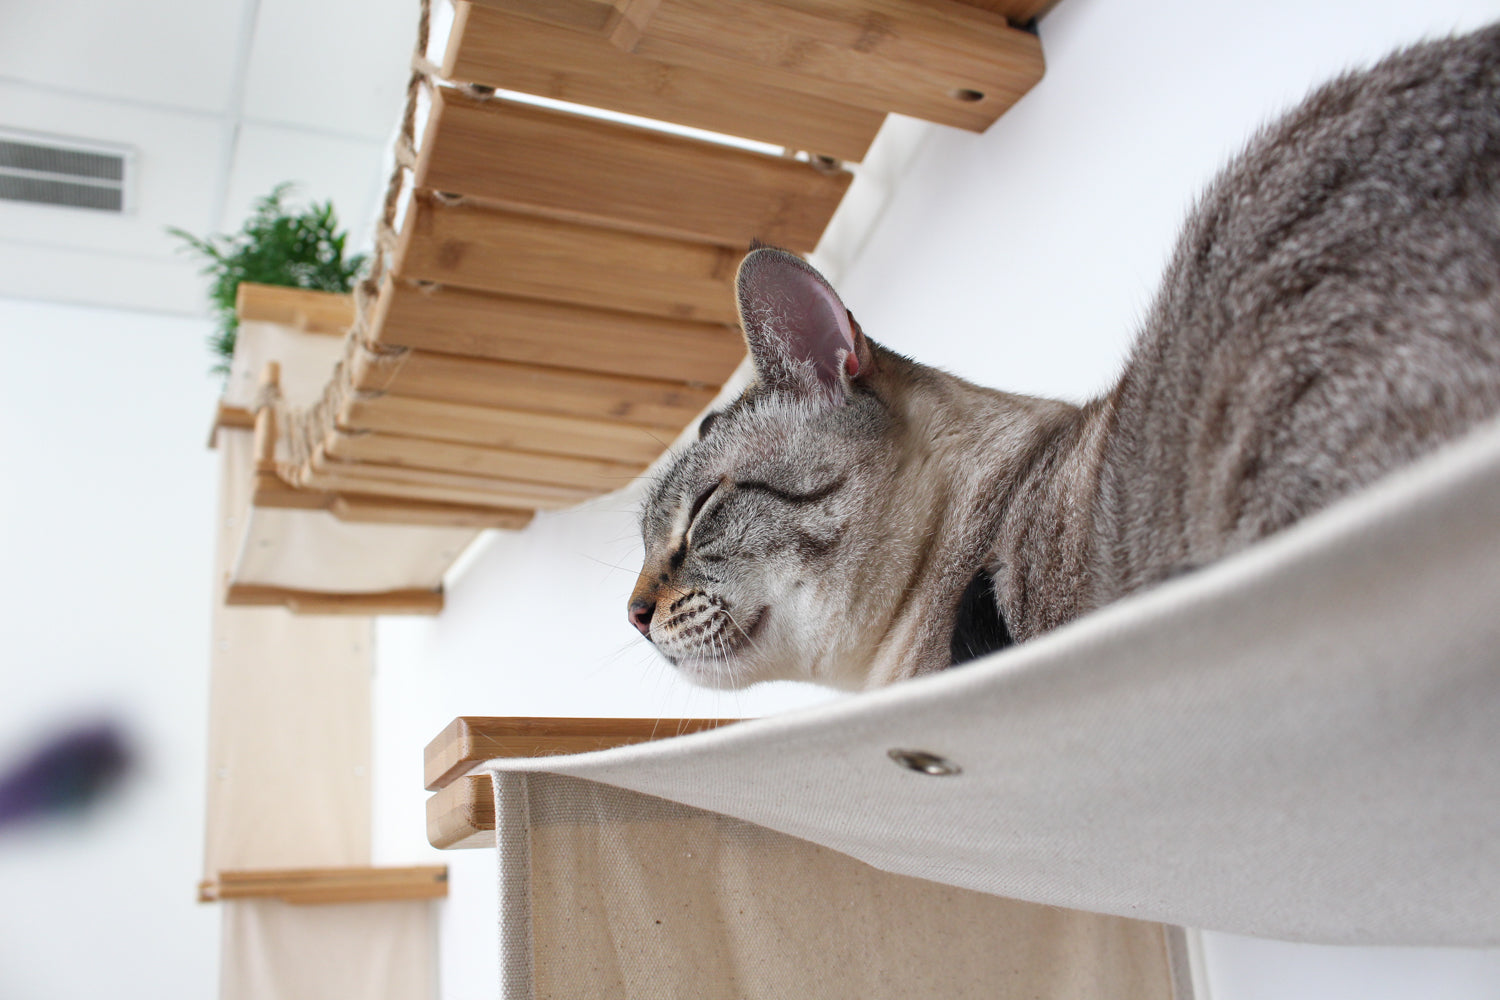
(923, 762)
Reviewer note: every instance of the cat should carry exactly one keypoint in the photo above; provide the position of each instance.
(1331, 312)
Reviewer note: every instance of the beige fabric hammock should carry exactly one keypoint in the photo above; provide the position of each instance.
(1297, 743)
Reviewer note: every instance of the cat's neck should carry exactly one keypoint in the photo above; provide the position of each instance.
(993, 482)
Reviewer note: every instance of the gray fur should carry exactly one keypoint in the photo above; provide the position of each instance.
(1332, 312)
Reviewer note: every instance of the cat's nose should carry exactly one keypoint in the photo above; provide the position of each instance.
(640, 616)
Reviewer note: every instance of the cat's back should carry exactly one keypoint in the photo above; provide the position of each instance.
(1332, 311)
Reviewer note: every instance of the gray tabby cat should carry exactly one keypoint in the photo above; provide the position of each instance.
(1331, 312)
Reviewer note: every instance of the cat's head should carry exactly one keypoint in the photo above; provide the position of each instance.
(757, 535)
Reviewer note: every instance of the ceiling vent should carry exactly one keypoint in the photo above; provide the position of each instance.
(44, 170)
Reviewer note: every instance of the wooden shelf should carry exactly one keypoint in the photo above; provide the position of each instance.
(592, 474)
(483, 248)
(305, 886)
(504, 428)
(592, 170)
(312, 602)
(535, 388)
(555, 298)
(504, 50)
(954, 63)
(503, 328)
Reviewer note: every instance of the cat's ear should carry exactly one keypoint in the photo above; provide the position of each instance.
(801, 338)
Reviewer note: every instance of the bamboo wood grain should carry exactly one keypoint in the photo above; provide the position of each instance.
(358, 509)
(470, 740)
(512, 52)
(592, 474)
(462, 815)
(504, 428)
(309, 311)
(650, 402)
(274, 493)
(587, 168)
(304, 886)
(939, 60)
(309, 602)
(233, 416)
(488, 249)
(438, 487)
(265, 420)
(504, 328)
(1017, 12)
(599, 17)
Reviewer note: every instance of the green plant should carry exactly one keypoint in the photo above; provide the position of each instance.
(277, 246)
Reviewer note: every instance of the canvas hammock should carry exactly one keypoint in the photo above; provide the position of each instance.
(1298, 743)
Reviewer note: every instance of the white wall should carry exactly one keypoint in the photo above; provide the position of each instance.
(106, 517)
(1020, 258)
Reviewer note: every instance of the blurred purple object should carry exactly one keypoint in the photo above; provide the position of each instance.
(66, 774)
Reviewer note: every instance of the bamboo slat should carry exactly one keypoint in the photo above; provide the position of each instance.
(509, 253)
(1018, 12)
(502, 328)
(323, 473)
(310, 602)
(650, 402)
(939, 60)
(601, 171)
(309, 311)
(304, 886)
(504, 428)
(512, 52)
(357, 509)
(274, 493)
(592, 474)
(462, 815)
(470, 740)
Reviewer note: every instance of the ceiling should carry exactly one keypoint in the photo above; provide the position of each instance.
(217, 102)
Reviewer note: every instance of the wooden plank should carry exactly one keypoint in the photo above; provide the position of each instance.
(503, 428)
(939, 60)
(233, 416)
(502, 328)
(310, 602)
(441, 487)
(599, 17)
(304, 886)
(512, 52)
(595, 170)
(509, 253)
(274, 493)
(469, 740)
(1017, 12)
(358, 509)
(597, 475)
(309, 311)
(650, 402)
(462, 815)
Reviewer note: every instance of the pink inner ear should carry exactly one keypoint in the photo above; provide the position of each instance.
(821, 328)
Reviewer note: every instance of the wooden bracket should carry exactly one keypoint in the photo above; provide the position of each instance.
(312, 602)
(327, 885)
(462, 812)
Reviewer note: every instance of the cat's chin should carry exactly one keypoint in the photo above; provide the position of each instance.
(715, 673)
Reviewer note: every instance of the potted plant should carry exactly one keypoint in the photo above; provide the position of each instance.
(278, 245)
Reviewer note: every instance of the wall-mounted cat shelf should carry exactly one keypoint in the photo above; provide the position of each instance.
(552, 297)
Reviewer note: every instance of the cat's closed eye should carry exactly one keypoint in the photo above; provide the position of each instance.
(701, 499)
(706, 424)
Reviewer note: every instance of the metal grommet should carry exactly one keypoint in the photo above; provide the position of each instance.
(923, 762)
